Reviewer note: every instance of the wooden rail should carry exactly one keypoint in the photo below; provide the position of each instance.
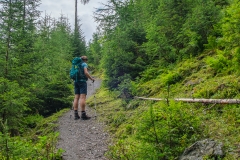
(197, 100)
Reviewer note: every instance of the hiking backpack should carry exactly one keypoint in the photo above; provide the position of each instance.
(77, 70)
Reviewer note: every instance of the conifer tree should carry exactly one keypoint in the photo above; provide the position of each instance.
(94, 52)
(16, 29)
(122, 59)
(79, 43)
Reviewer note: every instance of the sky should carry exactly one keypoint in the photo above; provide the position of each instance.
(54, 8)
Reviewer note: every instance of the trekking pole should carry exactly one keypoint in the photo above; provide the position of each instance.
(95, 102)
(72, 110)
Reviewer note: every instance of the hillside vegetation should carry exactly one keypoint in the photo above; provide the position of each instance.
(145, 129)
(169, 49)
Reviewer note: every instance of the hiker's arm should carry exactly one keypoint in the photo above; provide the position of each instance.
(87, 74)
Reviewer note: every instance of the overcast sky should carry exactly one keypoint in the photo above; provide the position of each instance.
(54, 8)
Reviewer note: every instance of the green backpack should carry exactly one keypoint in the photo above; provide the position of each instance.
(77, 70)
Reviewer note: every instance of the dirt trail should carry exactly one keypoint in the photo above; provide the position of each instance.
(83, 140)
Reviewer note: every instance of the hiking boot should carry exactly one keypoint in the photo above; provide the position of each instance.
(84, 116)
(76, 116)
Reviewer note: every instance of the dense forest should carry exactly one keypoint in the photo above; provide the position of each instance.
(154, 48)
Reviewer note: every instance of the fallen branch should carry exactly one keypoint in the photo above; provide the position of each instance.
(219, 101)
(209, 107)
(154, 99)
(197, 100)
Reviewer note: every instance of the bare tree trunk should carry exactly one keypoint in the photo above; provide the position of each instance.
(197, 100)
(84, 2)
(154, 99)
(75, 29)
(201, 100)
(8, 37)
(24, 15)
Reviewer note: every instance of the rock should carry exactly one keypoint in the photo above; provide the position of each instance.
(201, 149)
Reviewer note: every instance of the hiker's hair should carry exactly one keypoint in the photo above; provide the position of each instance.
(84, 57)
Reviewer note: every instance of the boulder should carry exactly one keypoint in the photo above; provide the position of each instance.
(205, 148)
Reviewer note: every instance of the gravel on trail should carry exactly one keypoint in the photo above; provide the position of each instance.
(83, 139)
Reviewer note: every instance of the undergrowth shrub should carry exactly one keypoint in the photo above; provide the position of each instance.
(22, 148)
(221, 122)
(30, 121)
(219, 63)
(125, 87)
(39, 142)
(170, 78)
(188, 67)
(236, 60)
(160, 132)
(155, 85)
(150, 73)
(223, 87)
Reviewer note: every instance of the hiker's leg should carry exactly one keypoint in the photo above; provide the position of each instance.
(75, 102)
(82, 101)
(83, 95)
(75, 106)
(82, 105)
(77, 91)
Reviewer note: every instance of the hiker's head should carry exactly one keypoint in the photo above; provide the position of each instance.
(84, 58)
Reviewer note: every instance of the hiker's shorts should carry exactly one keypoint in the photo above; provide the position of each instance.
(80, 87)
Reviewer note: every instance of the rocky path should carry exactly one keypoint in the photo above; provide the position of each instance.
(83, 140)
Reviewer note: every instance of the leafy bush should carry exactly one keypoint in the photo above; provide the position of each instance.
(22, 148)
(150, 73)
(125, 87)
(161, 132)
(219, 63)
(170, 78)
(36, 143)
(55, 97)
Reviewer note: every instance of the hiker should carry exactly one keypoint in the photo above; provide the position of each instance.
(80, 89)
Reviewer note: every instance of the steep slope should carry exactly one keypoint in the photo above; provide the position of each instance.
(145, 129)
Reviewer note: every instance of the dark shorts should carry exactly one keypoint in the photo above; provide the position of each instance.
(80, 87)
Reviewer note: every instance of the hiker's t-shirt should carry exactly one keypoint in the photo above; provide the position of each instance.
(84, 65)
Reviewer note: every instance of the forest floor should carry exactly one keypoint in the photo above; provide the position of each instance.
(83, 139)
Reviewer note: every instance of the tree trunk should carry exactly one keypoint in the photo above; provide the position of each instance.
(75, 27)
(8, 37)
(197, 100)
(201, 100)
(24, 15)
